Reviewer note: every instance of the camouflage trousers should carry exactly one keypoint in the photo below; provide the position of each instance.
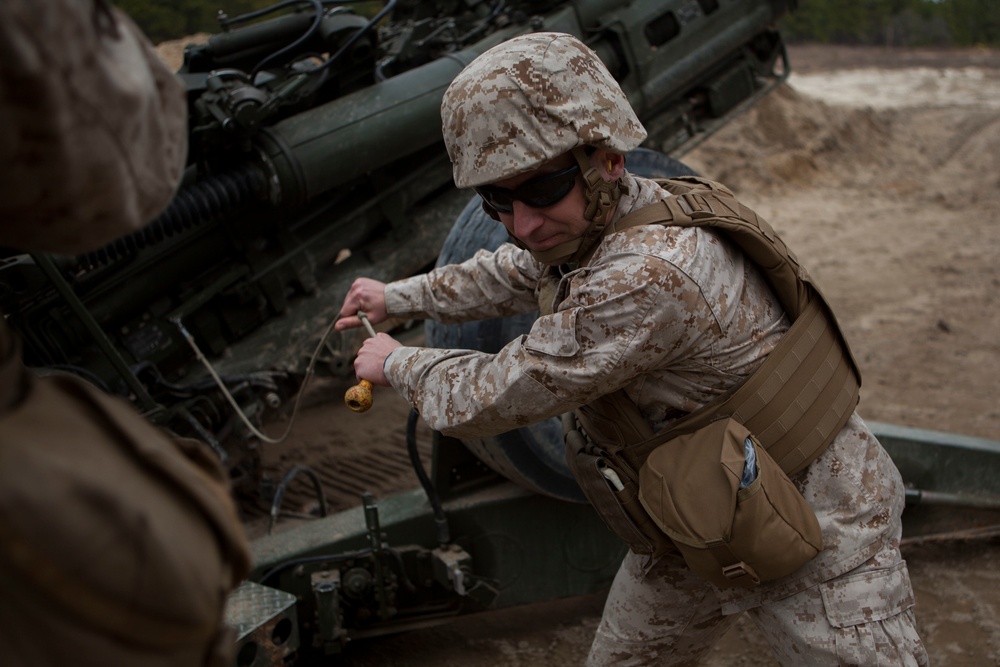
(669, 616)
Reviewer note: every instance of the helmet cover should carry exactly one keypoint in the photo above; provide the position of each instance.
(529, 100)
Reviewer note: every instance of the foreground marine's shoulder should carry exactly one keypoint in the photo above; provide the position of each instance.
(129, 545)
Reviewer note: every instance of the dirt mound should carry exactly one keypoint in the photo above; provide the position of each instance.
(172, 53)
(920, 132)
(791, 140)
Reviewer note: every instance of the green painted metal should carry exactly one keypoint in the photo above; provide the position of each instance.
(530, 547)
(524, 548)
(953, 481)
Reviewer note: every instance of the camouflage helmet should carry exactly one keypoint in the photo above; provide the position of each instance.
(529, 100)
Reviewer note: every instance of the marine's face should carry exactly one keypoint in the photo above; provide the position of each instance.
(541, 228)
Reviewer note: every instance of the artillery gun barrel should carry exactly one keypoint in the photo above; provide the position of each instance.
(329, 145)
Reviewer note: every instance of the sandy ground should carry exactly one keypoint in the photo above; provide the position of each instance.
(881, 169)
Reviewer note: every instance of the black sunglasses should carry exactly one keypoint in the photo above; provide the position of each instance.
(537, 193)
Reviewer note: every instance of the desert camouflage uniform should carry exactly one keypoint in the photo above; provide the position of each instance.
(675, 317)
(118, 542)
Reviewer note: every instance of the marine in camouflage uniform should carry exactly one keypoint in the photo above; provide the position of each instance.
(118, 542)
(675, 317)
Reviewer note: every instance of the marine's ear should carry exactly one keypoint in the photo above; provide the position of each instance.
(609, 165)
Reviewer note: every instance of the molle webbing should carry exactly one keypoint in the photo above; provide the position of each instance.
(804, 392)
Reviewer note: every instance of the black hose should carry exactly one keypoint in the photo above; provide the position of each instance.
(280, 492)
(318, 7)
(357, 35)
(191, 207)
(440, 520)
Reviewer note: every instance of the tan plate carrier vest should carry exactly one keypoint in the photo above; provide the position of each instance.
(797, 400)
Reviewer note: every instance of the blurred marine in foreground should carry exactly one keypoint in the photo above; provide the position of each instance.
(118, 542)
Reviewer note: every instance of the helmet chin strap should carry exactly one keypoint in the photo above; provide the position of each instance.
(601, 197)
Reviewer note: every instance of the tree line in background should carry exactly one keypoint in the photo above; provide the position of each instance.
(882, 22)
(895, 22)
(164, 20)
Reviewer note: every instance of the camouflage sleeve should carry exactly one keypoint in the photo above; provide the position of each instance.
(92, 126)
(620, 320)
(490, 284)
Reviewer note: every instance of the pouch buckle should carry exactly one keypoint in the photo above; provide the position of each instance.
(733, 568)
(738, 570)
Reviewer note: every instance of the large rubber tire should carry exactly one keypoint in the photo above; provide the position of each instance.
(531, 456)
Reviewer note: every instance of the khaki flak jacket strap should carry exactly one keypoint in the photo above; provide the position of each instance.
(804, 392)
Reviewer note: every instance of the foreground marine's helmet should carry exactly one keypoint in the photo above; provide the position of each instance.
(529, 100)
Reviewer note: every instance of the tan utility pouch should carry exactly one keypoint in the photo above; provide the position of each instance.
(732, 536)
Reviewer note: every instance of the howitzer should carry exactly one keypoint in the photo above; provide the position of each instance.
(314, 137)
(315, 156)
